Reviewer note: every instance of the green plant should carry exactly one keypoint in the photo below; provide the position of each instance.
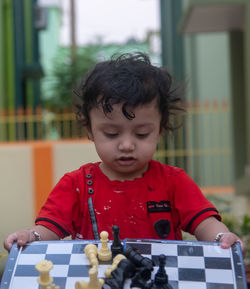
(66, 74)
(245, 227)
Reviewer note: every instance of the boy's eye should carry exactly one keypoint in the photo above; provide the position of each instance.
(109, 134)
(142, 135)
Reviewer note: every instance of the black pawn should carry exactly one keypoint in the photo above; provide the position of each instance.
(161, 277)
(116, 247)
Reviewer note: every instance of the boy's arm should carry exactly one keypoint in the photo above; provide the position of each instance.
(208, 229)
(23, 237)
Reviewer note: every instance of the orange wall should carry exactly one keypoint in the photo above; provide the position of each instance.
(42, 173)
(28, 172)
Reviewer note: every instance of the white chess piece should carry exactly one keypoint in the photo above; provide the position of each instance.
(104, 253)
(94, 282)
(44, 267)
(53, 286)
(91, 252)
(116, 261)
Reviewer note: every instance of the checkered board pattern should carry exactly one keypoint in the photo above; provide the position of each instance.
(190, 265)
(196, 265)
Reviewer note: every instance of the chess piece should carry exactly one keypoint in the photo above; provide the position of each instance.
(94, 282)
(125, 269)
(91, 252)
(116, 261)
(81, 285)
(137, 259)
(104, 253)
(44, 267)
(53, 286)
(140, 279)
(161, 277)
(116, 247)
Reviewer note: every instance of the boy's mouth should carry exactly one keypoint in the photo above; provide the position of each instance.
(126, 161)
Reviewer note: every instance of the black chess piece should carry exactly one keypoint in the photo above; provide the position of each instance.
(161, 277)
(125, 269)
(116, 246)
(137, 259)
(140, 279)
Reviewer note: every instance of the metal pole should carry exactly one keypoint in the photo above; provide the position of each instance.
(171, 42)
(73, 30)
(166, 33)
(2, 78)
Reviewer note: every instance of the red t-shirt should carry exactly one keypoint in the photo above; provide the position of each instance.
(158, 205)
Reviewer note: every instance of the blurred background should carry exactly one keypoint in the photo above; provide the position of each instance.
(46, 46)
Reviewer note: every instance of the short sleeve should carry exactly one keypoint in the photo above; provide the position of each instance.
(191, 205)
(61, 208)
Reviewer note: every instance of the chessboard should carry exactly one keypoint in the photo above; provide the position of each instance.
(189, 264)
(196, 265)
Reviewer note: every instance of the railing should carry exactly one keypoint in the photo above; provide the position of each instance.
(202, 146)
(38, 125)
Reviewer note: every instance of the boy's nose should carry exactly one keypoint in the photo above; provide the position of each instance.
(126, 145)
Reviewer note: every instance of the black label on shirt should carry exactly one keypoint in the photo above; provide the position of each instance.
(156, 207)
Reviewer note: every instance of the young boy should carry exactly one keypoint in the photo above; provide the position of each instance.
(125, 105)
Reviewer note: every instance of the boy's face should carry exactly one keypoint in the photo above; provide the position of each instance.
(125, 146)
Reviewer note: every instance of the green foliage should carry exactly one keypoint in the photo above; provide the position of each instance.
(66, 74)
(240, 227)
(245, 226)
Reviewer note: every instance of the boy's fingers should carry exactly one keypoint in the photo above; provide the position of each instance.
(228, 239)
(9, 241)
(21, 242)
(21, 237)
(7, 246)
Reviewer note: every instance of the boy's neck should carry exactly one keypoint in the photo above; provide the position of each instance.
(118, 176)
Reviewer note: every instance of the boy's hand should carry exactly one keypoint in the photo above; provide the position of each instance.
(228, 239)
(208, 230)
(22, 237)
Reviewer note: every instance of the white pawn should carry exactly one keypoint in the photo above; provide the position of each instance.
(104, 253)
(44, 267)
(53, 286)
(116, 261)
(94, 282)
(91, 252)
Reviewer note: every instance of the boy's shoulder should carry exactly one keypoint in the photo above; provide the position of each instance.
(163, 175)
(159, 167)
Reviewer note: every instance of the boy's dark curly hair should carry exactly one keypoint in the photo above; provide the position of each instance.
(129, 79)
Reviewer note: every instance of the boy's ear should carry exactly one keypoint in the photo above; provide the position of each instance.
(159, 136)
(89, 132)
(160, 132)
